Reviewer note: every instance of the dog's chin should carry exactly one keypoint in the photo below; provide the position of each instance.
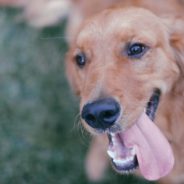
(124, 159)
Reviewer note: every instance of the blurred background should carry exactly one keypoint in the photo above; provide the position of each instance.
(40, 139)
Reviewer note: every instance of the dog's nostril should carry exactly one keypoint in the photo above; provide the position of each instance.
(108, 114)
(91, 118)
(109, 117)
(102, 113)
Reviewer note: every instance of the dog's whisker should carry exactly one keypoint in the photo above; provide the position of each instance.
(78, 125)
(76, 120)
(85, 135)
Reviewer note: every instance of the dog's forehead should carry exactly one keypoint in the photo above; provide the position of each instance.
(127, 23)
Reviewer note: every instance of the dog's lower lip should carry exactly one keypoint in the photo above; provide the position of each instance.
(127, 167)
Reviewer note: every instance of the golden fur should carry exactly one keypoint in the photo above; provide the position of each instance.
(102, 35)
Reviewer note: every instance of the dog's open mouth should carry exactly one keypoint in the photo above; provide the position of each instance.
(142, 145)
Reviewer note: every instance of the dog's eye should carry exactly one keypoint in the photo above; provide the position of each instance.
(136, 50)
(80, 59)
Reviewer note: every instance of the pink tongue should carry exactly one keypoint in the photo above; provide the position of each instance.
(153, 151)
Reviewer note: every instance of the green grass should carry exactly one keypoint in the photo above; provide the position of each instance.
(39, 140)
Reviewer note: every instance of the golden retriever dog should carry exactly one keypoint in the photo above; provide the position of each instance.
(126, 64)
(39, 13)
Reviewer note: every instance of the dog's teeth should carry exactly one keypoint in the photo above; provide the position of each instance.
(123, 161)
(112, 134)
(111, 153)
(119, 161)
(130, 159)
(115, 141)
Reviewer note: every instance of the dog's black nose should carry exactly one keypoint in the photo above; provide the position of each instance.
(101, 114)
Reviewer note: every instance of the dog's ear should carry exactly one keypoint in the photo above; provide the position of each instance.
(176, 34)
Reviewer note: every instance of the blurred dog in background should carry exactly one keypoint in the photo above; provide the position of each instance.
(40, 13)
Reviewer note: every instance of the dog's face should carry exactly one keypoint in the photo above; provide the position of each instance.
(120, 65)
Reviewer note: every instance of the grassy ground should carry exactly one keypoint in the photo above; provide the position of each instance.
(39, 142)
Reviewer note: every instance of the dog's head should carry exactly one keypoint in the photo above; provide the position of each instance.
(122, 62)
